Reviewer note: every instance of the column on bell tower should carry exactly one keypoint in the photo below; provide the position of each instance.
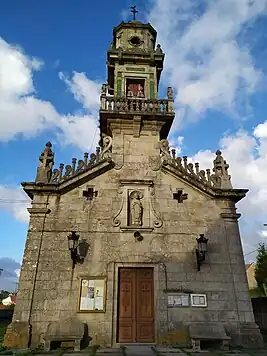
(131, 111)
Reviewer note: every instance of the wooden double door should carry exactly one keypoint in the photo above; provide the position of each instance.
(136, 305)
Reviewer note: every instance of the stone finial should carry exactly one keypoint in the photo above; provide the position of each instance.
(220, 169)
(44, 170)
(103, 90)
(170, 93)
(158, 49)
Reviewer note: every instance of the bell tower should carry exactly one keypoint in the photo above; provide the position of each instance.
(130, 106)
(134, 66)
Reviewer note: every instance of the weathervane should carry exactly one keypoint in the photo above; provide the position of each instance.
(134, 11)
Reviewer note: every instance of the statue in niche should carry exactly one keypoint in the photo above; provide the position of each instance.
(136, 208)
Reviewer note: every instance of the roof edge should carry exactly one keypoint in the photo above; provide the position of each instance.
(32, 188)
(231, 194)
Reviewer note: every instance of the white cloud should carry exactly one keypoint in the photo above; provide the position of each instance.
(261, 130)
(206, 65)
(247, 156)
(22, 112)
(17, 271)
(81, 131)
(177, 143)
(84, 90)
(9, 277)
(211, 68)
(16, 71)
(15, 201)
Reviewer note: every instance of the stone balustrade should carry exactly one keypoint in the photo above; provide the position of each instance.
(70, 170)
(135, 105)
(102, 154)
(219, 179)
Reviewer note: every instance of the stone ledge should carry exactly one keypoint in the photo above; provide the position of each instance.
(39, 210)
(137, 228)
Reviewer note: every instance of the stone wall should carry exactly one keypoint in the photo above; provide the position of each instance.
(47, 265)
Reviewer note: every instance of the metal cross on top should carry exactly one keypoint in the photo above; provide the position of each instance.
(134, 11)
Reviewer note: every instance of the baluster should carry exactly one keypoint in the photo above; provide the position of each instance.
(111, 106)
(153, 106)
(103, 102)
(163, 110)
(134, 104)
(73, 164)
(178, 161)
(174, 153)
(61, 167)
(143, 105)
(97, 151)
(185, 162)
(131, 105)
(157, 106)
(208, 176)
(115, 105)
(124, 105)
(85, 158)
(119, 105)
(197, 168)
(165, 106)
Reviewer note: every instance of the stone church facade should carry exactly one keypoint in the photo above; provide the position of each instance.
(112, 238)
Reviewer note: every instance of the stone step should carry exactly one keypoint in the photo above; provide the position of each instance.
(139, 350)
(109, 351)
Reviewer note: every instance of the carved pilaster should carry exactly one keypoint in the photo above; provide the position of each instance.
(157, 222)
(118, 144)
(136, 126)
(116, 220)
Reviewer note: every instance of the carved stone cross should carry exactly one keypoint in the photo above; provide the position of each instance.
(47, 156)
(179, 195)
(44, 171)
(89, 194)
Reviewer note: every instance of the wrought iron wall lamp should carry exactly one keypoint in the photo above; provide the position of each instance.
(201, 250)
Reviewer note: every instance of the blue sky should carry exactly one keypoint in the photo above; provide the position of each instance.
(53, 61)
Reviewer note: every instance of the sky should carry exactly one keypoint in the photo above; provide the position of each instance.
(52, 65)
